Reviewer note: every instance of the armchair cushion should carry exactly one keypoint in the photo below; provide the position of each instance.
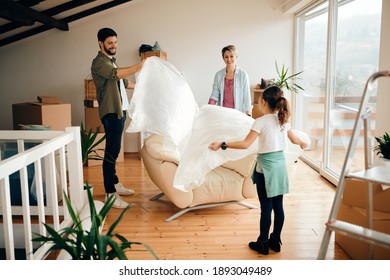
(243, 166)
(220, 184)
(161, 150)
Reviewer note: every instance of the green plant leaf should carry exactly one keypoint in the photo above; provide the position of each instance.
(89, 144)
(286, 81)
(114, 224)
(102, 251)
(119, 252)
(383, 146)
(75, 218)
(88, 245)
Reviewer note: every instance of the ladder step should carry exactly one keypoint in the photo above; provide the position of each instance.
(376, 174)
(365, 234)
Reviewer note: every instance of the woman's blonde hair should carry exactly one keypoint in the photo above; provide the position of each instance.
(230, 48)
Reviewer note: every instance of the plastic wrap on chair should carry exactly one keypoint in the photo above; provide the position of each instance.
(162, 101)
(213, 123)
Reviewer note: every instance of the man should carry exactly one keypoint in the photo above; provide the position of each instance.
(111, 84)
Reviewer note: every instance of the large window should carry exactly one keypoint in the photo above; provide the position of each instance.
(338, 49)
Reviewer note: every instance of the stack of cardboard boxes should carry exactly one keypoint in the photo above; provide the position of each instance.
(353, 209)
(91, 108)
(93, 122)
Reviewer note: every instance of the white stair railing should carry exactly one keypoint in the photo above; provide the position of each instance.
(52, 176)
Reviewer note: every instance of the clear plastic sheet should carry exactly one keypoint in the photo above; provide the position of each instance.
(293, 152)
(213, 123)
(162, 101)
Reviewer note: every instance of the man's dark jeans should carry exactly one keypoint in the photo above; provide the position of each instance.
(113, 129)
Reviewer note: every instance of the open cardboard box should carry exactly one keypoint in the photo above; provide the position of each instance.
(56, 116)
(49, 99)
(356, 194)
(355, 248)
(353, 209)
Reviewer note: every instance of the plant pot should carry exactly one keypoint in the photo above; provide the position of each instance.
(381, 161)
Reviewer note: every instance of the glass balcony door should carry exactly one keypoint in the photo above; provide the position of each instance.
(338, 49)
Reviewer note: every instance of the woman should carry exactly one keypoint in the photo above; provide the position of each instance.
(231, 84)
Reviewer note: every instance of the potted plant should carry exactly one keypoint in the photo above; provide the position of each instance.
(286, 81)
(89, 144)
(89, 244)
(383, 146)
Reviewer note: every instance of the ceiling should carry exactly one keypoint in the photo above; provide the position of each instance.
(20, 19)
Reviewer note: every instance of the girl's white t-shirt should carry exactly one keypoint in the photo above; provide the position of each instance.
(272, 136)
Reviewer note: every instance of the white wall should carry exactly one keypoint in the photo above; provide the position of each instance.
(193, 33)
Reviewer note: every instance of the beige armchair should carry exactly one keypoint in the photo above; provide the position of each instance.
(226, 184)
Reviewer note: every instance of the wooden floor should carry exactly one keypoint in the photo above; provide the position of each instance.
(219, 233)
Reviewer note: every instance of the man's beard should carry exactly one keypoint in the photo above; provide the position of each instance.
(109, 51)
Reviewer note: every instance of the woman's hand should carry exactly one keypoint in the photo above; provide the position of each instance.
(215, 146)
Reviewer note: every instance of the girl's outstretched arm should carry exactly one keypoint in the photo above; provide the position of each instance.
(249, 139)
(296, 140)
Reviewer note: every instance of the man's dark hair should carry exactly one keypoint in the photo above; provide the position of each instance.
(104, 33)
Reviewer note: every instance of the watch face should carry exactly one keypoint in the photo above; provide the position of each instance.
(223, 146)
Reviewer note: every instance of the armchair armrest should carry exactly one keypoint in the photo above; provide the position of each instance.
(161, 150)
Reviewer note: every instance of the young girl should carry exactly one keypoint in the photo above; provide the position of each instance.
(270, 175)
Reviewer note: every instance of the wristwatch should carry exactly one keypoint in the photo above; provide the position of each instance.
(223, 146)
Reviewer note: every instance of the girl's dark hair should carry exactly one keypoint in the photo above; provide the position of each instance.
(104, 33)
(273, 95)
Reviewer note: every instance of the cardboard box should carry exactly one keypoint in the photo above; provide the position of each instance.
(356, 194)
(356, 248)
(162, 55)
(256, 95)
(55, 116)
(256, 111)
(92, 119)
(101, 146)
(89, 89)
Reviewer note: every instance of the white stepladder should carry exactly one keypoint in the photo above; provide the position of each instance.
(371, 174)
